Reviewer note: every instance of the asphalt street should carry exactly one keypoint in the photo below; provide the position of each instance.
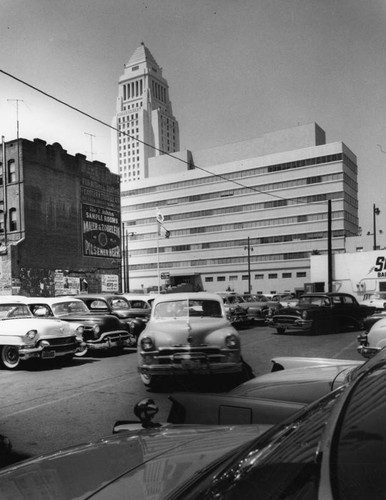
(48, 406)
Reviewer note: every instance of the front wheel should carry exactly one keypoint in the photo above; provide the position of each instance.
(280, 331)
(150, 381)
(83, 352)
(9, 357)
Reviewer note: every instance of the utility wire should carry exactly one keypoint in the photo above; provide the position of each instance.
(223, 177)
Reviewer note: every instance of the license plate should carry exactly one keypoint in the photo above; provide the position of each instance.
(48, 354)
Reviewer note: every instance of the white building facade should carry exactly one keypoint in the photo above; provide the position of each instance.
(241, 216)
(144, 118)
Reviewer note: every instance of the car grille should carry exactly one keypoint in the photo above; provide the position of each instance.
(213, 354)
(62, 344)
(284, 319)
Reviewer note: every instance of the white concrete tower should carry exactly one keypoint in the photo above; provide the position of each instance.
(144, 117)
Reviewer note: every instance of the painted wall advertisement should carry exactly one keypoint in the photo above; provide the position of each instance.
(101, 232)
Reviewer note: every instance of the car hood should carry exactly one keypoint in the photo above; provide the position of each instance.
(302, 385)
(131, 465)
(45, 326)
(172, 332)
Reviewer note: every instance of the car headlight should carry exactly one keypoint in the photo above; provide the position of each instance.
(304, 314)
(147, 344)
(96, 329)
(31, 334)
(80, 330)
(231, 341)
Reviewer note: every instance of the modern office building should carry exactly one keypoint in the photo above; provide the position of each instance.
(243, 216)
(144, 119)
(60, 225)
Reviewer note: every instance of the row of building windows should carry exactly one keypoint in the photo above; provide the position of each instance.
(244, 173)
(252, 207)
(282, 238)
(296, 219)
(159, 91)
(260, 276)
(132, 89)
(272, 186)
(226, 261)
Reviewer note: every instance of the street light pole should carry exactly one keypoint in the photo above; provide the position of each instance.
(248, 247)
(376, 212)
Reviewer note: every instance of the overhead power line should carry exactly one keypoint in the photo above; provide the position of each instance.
(74, 108)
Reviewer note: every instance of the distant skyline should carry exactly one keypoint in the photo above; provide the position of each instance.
(236, 70)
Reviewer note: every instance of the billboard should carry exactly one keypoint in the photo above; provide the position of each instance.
(101, 232)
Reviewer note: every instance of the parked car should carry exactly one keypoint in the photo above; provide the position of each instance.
(319, 313)
(285, 299)
(140, 309)
(373, 338)
(101, 331)
(259, 306)
(269, 398)
(332, 449)
(22, 336)
(116, 305)
(377, 300)
(188, 333)
(236, 309)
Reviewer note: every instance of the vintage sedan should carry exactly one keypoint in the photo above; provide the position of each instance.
(259, 307)
(269, 398)
(139, 310)
(320, 313)
(100, 331)
(332, 449)
(22, 336)
(377, 300)
(117, 305)
(236, 309)
(188, 333)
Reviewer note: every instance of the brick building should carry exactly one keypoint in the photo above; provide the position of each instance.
(59, 221)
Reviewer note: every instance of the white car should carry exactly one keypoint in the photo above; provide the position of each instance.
(377, 300)
(22, 336)
(374, 340)
(188, 334)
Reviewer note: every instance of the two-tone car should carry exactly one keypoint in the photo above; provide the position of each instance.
(188, 334)
(100, 331)
(321, 313)
(23, 336)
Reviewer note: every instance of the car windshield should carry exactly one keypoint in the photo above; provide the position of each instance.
(11, 311)
(281, 463)
(235, 299)
(188, 308)
(119, 303)
(69, 307)
(314, 300)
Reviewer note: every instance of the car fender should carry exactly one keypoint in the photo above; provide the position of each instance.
(288, 362)
(11, 340)
(377, 334)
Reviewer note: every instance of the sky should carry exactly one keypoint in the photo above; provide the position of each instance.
(236, 69)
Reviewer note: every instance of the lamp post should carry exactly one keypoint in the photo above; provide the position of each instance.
(376, 212)
(248, 247)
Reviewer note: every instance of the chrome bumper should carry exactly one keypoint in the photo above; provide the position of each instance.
(109, 340)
